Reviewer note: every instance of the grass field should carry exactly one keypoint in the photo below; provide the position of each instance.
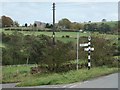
(58, 34)
(73, 35)
(22, 75)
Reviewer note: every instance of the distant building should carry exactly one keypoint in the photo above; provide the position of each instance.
(40, 24)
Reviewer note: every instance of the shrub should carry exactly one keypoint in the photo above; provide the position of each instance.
(67, 36)
(103, 53)
(39, 49)
(63, 36)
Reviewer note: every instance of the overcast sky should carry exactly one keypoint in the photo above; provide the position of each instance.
(59, 0)
(28, 12)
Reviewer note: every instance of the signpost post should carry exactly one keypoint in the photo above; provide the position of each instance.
(89, 49)
(78, 35)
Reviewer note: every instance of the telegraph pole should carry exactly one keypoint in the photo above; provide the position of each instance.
(53, 35)
(53, 24)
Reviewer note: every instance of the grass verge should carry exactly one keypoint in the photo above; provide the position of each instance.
(15, 73)
(65, 78)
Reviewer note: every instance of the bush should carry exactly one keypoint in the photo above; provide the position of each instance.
(67, 36)
(103, 53)
(63, 36)
(39, 49)
(55, 56)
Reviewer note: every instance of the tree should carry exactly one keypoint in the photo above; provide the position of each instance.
(6, 57)
(88, 27)
(64, 23)
(51, 26)
(104, 28)
(104, 20)
(26, 25)
(35, 25)
(47, 25)
(76, 26)
(7, 21)
(13, 48)
(93, 27)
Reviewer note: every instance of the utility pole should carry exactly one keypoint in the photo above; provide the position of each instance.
(53, 24)
(53, 35)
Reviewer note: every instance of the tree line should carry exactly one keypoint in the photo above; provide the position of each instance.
(102, 27)
(66, 24)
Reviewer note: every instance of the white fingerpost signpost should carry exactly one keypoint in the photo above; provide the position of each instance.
(89, 49)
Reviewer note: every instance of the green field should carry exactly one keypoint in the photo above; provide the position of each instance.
(21, 75)
(58, 34)
(73, 35)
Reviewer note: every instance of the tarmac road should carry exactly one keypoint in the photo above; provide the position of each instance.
(109, 81)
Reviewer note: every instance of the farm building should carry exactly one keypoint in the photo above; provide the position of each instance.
(40, 24)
